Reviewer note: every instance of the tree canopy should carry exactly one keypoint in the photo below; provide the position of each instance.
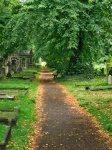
(7, 9)
(62, 32)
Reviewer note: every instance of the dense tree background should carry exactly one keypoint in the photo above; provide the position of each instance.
(7, 9)
(70, 35)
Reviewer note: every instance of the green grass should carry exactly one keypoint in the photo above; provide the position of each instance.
(2, 132)
(14, 83)
(26, 74)
(26, 116)
(8, 104)
(20, 133)
(31, 70)
(8, 115)
(97, 103)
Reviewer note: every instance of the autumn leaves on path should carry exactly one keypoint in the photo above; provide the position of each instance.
(63, 125)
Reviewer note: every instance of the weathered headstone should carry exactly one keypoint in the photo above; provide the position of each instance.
(109, 79)
(5, 96)
(2, 71)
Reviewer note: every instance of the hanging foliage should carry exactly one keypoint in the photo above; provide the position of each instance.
(61, 32)
(7, 9)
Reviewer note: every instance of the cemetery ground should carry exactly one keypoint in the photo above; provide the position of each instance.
(97, 102)
(29, 123)
(25, 92)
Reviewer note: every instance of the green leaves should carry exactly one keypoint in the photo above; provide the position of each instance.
(60, 30)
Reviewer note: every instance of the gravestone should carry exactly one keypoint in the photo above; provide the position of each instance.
(9, 116)
(110, 76)
(13, 62)
(19, 61)
(109, 79)
(6, 137)
(2, 71)
(5, 96)
(26, 59)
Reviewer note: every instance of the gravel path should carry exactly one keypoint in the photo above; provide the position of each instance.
(63, 125)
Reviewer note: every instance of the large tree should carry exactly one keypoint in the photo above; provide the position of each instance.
(7, 9)
(62, 31)
(72, 31)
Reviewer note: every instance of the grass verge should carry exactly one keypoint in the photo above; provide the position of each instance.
(21, 132)
(2, 132)
(97, 103)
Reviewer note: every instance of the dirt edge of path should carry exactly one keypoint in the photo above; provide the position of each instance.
(69, 100)
(73, 101)
(36, 125)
